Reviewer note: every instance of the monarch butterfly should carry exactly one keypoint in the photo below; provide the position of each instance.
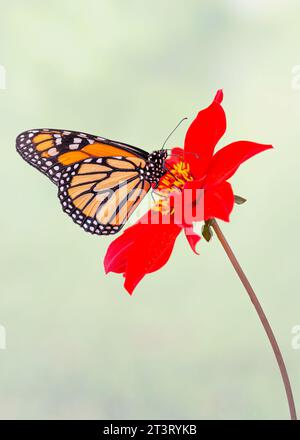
(100, 181)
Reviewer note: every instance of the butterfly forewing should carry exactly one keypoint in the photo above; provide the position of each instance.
(51, 150)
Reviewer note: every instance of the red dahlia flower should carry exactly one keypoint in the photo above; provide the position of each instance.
(196, 178)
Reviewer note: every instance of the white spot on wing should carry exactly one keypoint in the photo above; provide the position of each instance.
(52, 152)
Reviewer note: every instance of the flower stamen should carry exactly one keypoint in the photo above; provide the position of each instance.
(173, 181)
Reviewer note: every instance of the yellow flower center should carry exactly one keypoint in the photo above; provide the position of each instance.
(173, 181)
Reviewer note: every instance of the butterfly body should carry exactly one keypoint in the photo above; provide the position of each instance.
(155, 166)
(100, 181)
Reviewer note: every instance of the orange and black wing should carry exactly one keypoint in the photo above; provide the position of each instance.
(51, 150)
(100, 181)
(100, 194)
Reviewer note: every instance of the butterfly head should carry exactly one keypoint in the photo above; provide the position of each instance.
(155, 167)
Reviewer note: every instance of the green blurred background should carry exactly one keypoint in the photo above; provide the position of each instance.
(188, 343)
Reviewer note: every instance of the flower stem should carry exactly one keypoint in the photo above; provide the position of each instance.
(261, 316)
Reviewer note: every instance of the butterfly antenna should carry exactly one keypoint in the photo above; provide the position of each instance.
(180, 122)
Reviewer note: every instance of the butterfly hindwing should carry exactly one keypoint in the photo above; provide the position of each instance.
(100, 193)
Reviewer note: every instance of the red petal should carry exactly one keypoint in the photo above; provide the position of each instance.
(219, 96)
(115, 259)
(192, 201)
(218, 202)
(203, 135)
(192, 238)
(177, 155)
(227, 160)
(141, 249)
